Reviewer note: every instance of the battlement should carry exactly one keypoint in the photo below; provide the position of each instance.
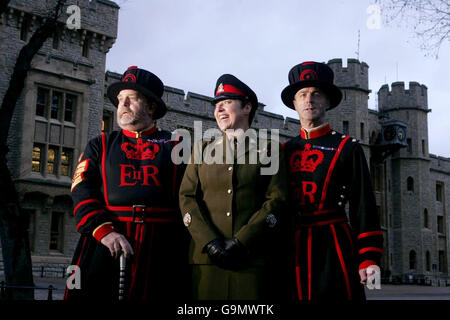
(99, 32)
(201, 106)
(111, 77)
(355, 75)
(190, 103)
(399, 97)
(439, 163)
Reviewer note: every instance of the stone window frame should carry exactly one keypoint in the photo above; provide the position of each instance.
(362, 130)
(412, 258)
(37, 159)
(440, 225)
(426, 219)
(107, 121)
(56, 237)
(24, 28)
(86, 47)
(439, 191)
(410, 184)
(442, 261)
(56, 40)
(427, 261)
(62, 107)
(62, 168)
(66, 166)
(345, 127)
(409, 147)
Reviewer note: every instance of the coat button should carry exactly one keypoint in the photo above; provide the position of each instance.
(228, 214)
(187, 219)
(339, 203)
(230, 168)
(229, 191)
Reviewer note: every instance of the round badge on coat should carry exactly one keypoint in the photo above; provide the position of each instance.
(271, 220)
(187, 219)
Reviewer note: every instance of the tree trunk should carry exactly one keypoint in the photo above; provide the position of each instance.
(13, 222)
(14, 237)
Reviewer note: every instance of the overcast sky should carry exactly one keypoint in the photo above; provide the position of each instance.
(190, 43)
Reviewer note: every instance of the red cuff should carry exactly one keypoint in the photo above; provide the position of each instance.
(102, 231)
(366, 264)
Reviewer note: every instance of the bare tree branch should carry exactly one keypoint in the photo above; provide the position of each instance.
(430, 20)
(21, 68)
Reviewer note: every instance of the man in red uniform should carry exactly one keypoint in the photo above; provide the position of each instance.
(125, 192)
(327, 171)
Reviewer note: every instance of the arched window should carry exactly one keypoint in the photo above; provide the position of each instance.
(410, 184)
(427, 261)
(425, 218)
(412, 260)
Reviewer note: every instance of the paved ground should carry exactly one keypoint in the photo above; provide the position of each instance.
(408, 292)
(387, 291)
(58, 283)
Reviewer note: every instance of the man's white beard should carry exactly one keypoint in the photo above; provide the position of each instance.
(127, 119)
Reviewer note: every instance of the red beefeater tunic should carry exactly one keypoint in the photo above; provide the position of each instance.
(126, 182)
(327, 170)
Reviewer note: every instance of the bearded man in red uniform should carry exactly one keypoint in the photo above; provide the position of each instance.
(334, 250)
(125, 191)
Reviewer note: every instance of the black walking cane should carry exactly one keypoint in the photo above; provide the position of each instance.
(122, 265)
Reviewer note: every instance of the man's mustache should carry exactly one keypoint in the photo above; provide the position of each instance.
(128, 112)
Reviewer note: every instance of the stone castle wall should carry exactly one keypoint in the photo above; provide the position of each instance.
(66, 68)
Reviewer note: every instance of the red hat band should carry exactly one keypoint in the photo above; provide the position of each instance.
(228, 89)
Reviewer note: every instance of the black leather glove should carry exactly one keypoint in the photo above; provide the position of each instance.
(238, 254)
(217, 253)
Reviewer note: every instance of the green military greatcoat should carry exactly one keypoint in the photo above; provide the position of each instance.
(235, 200)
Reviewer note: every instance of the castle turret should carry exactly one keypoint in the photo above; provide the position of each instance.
(351, 116)
(411, 106)
(355, 75)
(413, 98)
(410, 169)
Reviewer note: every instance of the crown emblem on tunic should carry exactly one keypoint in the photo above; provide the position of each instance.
(220, 89)
(306, 160)
(140, 151)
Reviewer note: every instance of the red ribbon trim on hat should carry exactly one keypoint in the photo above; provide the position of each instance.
(227, 88)
(308, 74)
(129, 78)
